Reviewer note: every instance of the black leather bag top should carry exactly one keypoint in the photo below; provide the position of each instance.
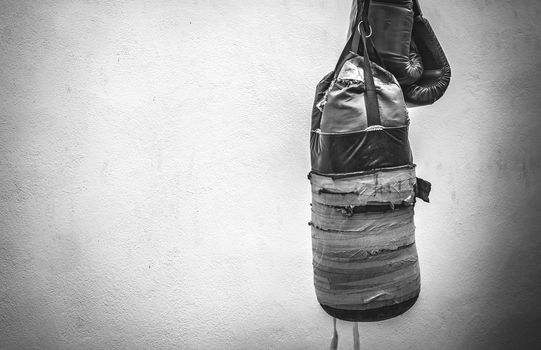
(359, 120)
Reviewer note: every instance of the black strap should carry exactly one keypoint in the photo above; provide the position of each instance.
(417, 9)
(371, 98)
(361, 17)
(353, 44)
(354, 38)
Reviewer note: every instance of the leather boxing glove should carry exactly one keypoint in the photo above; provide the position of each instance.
(437, 71)
(391, 22)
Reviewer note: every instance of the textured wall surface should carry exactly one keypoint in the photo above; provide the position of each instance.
(153, 161)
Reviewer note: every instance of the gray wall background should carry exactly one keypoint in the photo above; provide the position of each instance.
(153, 161)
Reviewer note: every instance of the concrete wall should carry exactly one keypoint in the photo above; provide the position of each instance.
(153, 165)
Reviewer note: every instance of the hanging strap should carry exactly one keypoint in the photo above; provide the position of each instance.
(357, 37)
(417, 9)
(371, 98)
(334, 340)
(362, 17)
(354, 20)
(356, 342)
(353, 38)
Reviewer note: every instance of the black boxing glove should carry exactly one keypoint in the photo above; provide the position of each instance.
(437, 71)
(391, 22)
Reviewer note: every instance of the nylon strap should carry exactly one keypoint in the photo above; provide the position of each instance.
(371, 98)
(359, 35)
(334, 340)
(361, 16)
(356, 342)
(353, 40)
(416, 9)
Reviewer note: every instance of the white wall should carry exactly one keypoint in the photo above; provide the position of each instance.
(153, 165)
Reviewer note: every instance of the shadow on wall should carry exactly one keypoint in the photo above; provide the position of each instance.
(508, 314)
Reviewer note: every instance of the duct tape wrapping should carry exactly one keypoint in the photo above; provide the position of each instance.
(363, 242)
(378, 187)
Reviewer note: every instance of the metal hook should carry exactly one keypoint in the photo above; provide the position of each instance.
(359, 29)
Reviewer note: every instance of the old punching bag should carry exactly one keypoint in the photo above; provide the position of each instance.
(363, 188)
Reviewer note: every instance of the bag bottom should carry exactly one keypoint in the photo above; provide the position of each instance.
(371, 315)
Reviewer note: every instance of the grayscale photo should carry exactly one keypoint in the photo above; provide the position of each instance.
(278, 175)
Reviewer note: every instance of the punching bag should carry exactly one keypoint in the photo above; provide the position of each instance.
(363, 186)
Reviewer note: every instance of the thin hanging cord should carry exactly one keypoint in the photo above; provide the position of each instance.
(334, 340)
(356, 343)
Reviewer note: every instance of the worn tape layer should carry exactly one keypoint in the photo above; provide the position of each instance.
(363, 260)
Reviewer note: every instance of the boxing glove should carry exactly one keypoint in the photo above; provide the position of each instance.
(437, 71)
(391, 22)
